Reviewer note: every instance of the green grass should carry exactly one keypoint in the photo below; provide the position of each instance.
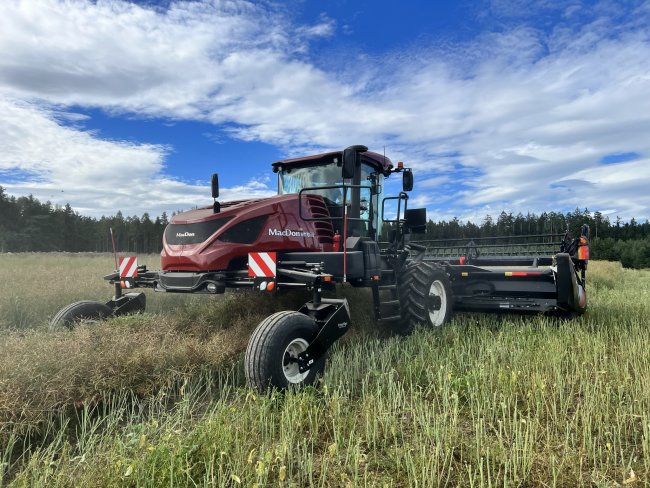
(34, 286)
(159, 399)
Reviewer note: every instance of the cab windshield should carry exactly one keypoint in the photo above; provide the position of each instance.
(292, 180)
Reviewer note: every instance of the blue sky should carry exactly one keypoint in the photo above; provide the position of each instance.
(519, 105)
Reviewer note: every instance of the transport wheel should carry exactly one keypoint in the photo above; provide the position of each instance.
(582, 300)
(581, 306)
(84, 312)
(273, 348)
(425, 297)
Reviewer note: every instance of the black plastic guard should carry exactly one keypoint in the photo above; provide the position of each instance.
(128, 303)
(332, 261)
(568, 288)
(334, 314)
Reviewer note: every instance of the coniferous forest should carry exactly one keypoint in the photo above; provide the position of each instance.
(28, 225)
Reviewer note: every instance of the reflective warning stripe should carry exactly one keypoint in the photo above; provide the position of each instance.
(129, 267)
(523, 273)
(261, 264)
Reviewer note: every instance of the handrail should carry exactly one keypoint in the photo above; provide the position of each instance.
(402, 196)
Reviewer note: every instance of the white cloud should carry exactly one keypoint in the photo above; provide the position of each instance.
(517, 119)
(525, 128)
(325, 28)
(115, 54)
(96, 176)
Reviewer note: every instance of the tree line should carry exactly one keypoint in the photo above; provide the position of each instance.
(28, 225)
(627, 242)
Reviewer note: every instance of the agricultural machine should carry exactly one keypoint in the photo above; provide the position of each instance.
(323, 228)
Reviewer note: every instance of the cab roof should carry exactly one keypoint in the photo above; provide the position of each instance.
(378, 161)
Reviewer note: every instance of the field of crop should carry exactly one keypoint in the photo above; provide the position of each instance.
(159, 399)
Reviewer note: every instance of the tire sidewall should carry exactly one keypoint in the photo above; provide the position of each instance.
(71, 315)
(304, 328)
(266, 348)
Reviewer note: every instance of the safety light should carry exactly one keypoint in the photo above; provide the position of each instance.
(327, 277)
(212, 287)
(400, 165)
(270, 286)
(263, 286)
(583, 249)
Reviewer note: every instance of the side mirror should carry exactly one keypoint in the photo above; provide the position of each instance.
(416, 220)
(407, 180)
(215, 185)
(352, 159)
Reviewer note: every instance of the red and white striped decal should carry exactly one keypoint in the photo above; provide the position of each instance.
(261, 264)
(129, 267)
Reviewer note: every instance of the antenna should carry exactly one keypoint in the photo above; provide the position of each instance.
(117, 266)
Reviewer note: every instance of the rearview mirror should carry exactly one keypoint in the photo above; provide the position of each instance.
(407, 180)
(215, 185)
(351, 160)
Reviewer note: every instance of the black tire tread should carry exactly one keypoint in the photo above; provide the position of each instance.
(414, 290)
(77, 310)
(256, 353)
(261, 350)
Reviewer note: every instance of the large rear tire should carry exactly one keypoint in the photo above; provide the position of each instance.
(425, 297)
(84, 312)
(273, 348)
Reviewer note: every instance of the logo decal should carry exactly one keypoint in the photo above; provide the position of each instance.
(289, 233)
(185, 234)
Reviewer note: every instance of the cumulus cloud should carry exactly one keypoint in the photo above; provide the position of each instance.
(62, 164)
(115, 54)
(518, 118)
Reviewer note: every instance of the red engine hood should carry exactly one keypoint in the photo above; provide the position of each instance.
(233, 207)
(201, 240)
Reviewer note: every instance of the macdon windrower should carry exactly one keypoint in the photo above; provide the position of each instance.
(323, 228)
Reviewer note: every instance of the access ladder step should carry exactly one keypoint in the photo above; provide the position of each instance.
(393, 318)
(387, 287)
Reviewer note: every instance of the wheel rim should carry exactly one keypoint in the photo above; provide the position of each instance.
(437, 317)
(290, 365)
